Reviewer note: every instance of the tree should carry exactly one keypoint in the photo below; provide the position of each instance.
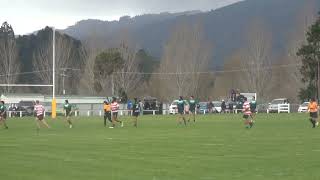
(310, 56)
(306, 17)
(9, 63)
(230, 77)
(69, 56)
(87, 82)
(186, 56)
(256, 58)
(106, 63)
(42, 56)
(127, 78)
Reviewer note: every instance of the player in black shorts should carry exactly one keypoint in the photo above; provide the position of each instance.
(136, 108)
(107, 113)
(3, 114)
(68, 110)
(181, 104)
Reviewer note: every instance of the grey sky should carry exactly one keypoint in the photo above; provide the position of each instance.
(29, 15)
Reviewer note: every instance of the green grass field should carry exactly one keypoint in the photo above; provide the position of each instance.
(217, 147)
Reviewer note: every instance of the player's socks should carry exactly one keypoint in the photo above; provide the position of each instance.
(251, 124)
(185, 122)
(121, 123)
(311, 120)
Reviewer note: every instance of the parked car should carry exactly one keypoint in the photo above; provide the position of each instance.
(217, 106)
(173, 108)
(303, 107)
(203, 107)
(273, 106)
(26, 107)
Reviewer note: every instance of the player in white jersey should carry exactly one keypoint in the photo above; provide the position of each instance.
(247, 114)
(114, 110)
(39, 113)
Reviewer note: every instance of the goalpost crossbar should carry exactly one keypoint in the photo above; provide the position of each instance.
(26, 85)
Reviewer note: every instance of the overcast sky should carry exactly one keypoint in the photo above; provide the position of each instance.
(30, 15)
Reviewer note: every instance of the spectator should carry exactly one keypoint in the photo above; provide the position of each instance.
(15, 109)
(210, 107)
(142, 107)
(233, 95)
(129, 107)
(223, 107)
(231, 106)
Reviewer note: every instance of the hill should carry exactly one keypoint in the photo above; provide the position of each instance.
(226, 27)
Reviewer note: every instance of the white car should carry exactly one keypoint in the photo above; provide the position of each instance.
(217, 106)
(303, 107)
(173, 108)
(273, 106)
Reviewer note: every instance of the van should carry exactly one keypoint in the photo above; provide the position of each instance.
(273, 105)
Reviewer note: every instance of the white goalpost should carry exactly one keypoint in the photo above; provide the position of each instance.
(54, 103)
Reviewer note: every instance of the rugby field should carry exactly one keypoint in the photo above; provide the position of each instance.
(217, 147)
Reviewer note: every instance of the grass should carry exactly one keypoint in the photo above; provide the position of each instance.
(217, 147)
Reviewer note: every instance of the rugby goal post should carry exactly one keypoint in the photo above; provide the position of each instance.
(53, 85)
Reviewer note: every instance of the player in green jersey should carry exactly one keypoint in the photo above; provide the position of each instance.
(68, 110)
(192, 108)
(3, 114)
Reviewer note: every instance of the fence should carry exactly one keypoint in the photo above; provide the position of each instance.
(284, 108)
(281, 108)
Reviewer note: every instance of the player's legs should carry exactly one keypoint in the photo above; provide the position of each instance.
(193, 115)
(3, 121)
(117, 120)
(251, 122)
(182, 118)
(190, 115)
(179, 118)
(45, 123)
(246, 121)
(105, 119)
(69, 121)
(312, 122)
(135, 120)
(315, 119)
(312, 119)
(109, 116)
(113, 121)
(253, 113)
(42, 121)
